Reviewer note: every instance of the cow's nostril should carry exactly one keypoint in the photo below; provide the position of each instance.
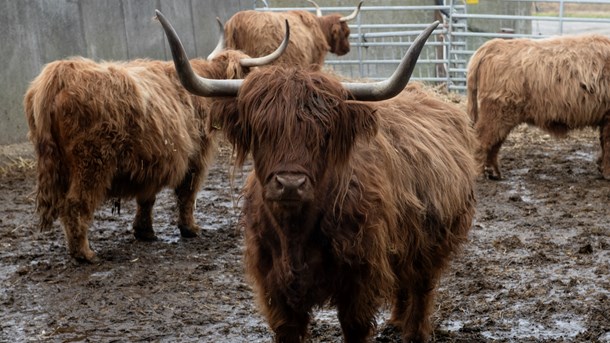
(290, 182)
(289, 187)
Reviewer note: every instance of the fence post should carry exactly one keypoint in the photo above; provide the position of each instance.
(449, 42)
(561, 18)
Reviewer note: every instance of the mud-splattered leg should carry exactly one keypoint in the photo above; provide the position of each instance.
(413, 306)
(186, 194)
(86, 190)
(142, 223)
(492, 167)
(76, 217)
(491, 139)
(356, 311)
(289, 326)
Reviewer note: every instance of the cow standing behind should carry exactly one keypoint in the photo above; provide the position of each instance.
(120, 130)
(312, 36)
(556, 84)
(351, 203)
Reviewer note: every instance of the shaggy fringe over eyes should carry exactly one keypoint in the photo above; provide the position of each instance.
(291, 105)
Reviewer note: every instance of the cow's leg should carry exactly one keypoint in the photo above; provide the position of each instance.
(400, 305)
(142, 223)
(76, 217)
(492, 167)
(604, 138)
(289, 326)
(491, 139)
(356, 309)
(413, 306)
(85, 192)
(186, 194)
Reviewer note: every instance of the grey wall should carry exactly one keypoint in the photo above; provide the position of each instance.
(36, 32)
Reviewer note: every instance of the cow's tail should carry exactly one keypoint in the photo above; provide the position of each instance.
(40, 112)
(472, 82)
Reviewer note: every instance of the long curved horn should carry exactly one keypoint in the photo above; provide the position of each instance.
(191, 81)
(253, 61)
(264, 60)
(318, 9)
(396, 83)
(353, 15)
(221, 41)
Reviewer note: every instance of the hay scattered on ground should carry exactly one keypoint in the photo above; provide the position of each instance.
(16, 159)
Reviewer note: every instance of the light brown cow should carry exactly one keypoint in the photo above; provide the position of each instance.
(120, 130)
(350, 203)
(257, 33)
(556, 84)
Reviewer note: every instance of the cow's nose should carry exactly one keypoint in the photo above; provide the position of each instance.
(290, 187)
(290, 182)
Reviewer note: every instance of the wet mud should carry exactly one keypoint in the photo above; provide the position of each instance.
(536, 267)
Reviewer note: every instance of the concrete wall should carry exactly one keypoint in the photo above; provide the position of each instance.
(36, 32)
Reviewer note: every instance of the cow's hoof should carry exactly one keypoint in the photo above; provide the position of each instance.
(146, 235)
(492, 175)
(85, 257)
(188, 232)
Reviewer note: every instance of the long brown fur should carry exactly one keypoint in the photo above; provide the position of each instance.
(311, 38)
(119, 129)
(557, 84)
(392, 200)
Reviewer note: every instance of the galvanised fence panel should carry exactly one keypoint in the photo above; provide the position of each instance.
(381, 34)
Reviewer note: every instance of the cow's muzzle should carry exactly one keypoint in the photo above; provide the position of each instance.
(289, 188)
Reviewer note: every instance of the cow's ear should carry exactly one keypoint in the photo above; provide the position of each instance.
(358, 122)
(365, 119)
(224, 116)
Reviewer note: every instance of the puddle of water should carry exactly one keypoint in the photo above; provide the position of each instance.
(524, 329)
(520, 189)
(452, 325)
(101, 275)
(325, 315)
(581, 156)
(6, 271)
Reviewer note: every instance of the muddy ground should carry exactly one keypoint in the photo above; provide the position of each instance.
(536, 268)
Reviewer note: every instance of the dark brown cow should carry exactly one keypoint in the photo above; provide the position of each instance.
(351, 203)
(257, 33)
(556, 84)
(120, 130)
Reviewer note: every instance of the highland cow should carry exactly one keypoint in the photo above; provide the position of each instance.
(121, 130)
(556, 84)
(312, 36)
(352, 203)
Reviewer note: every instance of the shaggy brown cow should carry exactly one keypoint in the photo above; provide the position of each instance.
(120, 130)
(258, 33)
(350, 203)
(557, 84)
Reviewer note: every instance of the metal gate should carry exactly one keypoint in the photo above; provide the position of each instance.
(381, 34)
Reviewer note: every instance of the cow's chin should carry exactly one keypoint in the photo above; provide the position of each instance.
(287, 205)
(288, 209)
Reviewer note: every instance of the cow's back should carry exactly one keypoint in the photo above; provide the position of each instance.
(554, 80)
(129, 112)
(260, 33)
